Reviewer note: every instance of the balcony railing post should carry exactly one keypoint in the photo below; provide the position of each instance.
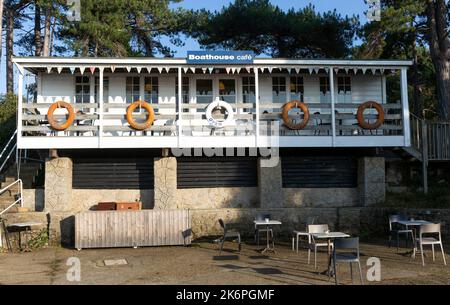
(333, 114)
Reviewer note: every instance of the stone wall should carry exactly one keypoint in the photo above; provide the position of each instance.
(216, 198)
(322, 197)
(58, 184)
(165, 175)
(33, 199)
(371, 180)
(83, 199)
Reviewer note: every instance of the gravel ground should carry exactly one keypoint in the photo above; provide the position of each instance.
(200, 263)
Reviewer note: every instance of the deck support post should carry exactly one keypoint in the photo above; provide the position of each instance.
(180, 103)
(19, 103)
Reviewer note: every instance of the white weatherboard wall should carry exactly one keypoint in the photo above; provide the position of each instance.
(311, 89)
(367, 88)
(56, 87)
(62, 87)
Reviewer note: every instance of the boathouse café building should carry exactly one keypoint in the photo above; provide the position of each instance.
(142, 129)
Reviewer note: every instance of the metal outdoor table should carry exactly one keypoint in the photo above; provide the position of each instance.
(267, 224)
(414, 224)
(329, 236)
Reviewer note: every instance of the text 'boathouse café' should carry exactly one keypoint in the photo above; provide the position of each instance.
(142, 130)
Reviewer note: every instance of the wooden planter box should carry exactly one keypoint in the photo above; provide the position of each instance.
(121, 206)
(131, 228)
(106, 206)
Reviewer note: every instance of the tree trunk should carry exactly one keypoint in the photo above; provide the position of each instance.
(50, 44)
(85, 47)
(443, 87)
(440, 53)
(1, 28)
(47, 32)
(9, 51)
(37, 29)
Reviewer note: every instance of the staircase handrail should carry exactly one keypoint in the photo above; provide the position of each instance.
(7, 144)
(18, 181)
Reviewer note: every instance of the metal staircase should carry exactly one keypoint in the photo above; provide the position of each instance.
(430, 142)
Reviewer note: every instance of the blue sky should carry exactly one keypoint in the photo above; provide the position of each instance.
(344, 7)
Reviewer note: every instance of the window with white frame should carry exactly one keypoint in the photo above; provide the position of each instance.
(324, 84)
(204, 91)
(82, 89)
(227, 90)
(151, 90)
(132, 89)
(279, 89)
(248, 89)
(296, 88)
(344, 89)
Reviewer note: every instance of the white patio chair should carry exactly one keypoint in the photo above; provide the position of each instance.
(429, 229)
(297, 234)
(313, 244)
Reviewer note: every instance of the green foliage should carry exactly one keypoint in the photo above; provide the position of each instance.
(260, 26)
(403, 29)
(438, 197)
(127, 28)
(8, 108)
(39, 240)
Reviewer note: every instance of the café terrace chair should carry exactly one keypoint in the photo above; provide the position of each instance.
(346, 250)
(297, 234)
(394, 229)
(229, 234)
(312, 242)
(431, 231)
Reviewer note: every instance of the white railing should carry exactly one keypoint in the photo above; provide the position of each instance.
(8, 152)
(20, 199)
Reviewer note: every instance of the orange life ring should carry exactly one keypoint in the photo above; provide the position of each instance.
(285, 115)
(51, 120)
(150, 116)
(360, 115)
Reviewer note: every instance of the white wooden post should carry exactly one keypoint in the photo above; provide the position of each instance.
(180, 104)
(255, 69)
(405, 106)
(100, 109)
(333, 115)
(19, 104)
